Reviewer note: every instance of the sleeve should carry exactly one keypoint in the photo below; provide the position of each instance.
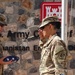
(59, 59)
(1, 51)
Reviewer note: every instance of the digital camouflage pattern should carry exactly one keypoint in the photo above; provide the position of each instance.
(1, 55)
(53, 57)
(2, 23)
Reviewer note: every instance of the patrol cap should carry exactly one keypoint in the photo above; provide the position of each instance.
(2, 20)
(47, 20)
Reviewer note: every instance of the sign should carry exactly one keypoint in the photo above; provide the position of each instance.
(50, 9)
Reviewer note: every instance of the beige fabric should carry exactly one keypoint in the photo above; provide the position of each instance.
(53, 57)
(1, 55)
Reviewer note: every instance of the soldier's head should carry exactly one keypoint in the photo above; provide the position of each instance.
(2, 22)
(49, 26)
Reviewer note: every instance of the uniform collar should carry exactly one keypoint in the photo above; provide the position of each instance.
(49, 40)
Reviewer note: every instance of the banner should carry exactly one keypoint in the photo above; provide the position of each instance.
(50, 9)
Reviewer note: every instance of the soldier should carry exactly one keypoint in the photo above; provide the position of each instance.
(54, 52)
(2, 24)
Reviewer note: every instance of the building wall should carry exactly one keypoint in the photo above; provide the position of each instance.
(71, 33)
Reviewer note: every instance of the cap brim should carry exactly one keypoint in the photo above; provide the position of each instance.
(44, 24)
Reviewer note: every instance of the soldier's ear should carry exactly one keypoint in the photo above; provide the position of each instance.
(50, 26)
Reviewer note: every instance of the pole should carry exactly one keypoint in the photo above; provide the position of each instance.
(64, 21)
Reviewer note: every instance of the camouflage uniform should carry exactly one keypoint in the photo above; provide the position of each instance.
(53, 57)
(1, 55)
(2, 24)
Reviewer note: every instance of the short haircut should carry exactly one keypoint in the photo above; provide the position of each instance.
(57, 25)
